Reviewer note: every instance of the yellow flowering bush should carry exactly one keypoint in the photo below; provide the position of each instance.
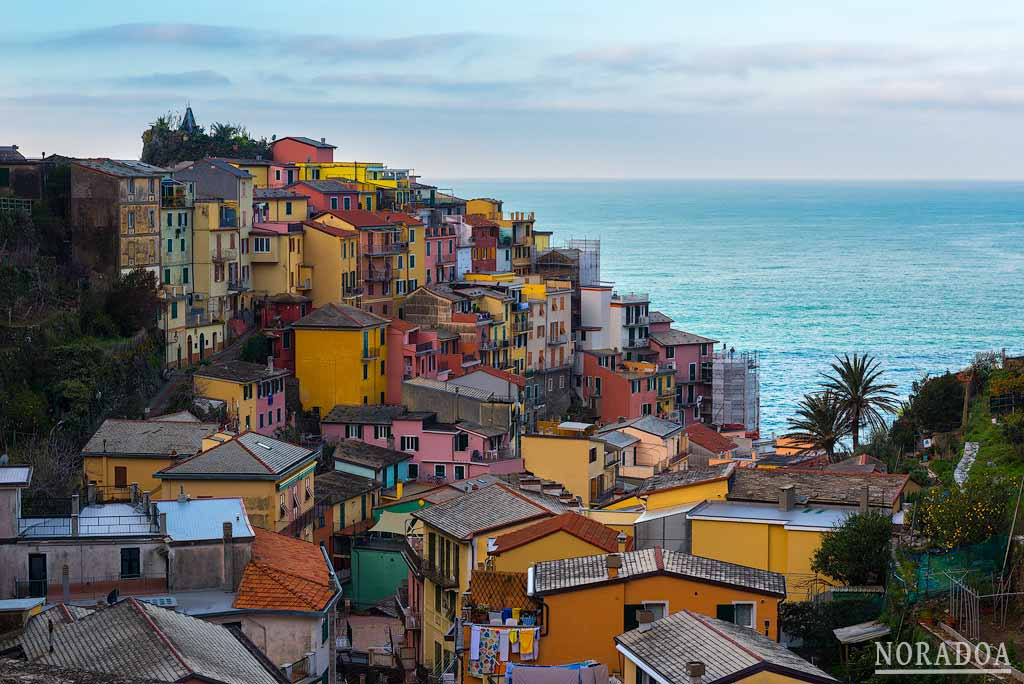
(955, 517)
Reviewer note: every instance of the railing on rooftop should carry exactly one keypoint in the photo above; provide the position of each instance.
(91, 588)
(491, 455)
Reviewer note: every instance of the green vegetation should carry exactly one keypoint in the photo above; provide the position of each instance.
(857, 551)
(820, 423)
(956, 516)
(256, 350)
(863, 397)
(165, 143)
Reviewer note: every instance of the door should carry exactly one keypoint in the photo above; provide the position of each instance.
(291, 176)
(37, 575)
(120, 477)
(189, 343)
(202, 346)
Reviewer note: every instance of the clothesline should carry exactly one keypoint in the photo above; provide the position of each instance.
(490, 647)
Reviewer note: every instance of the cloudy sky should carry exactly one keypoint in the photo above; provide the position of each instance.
(550, 89)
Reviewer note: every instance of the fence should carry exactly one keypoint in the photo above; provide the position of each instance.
(91, 588)
(935, 572)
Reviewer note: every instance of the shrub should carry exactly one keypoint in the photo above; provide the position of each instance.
(857, 551)
(954, 517)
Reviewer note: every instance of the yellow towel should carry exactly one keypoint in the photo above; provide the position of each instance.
(515, 614)
(513, 636)
(526, 641)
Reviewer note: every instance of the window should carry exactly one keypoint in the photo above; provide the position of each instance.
(414, 471)
(120, 476)
(167, 276)
(593, 454)
(347, 203)
(288, 208)
(170, 245)
(354, 431)
(381, 431)
(398, 261)
(278, 415)
(261, 245)
(693, 372)
(412, 261)
(174, 309)
(334, 201)
(658, 608)
(412, 236)
(261, 420)
(131, 563)
(410, 443)
(428, 247)
(277, 174)
(703, 349)
(131, 221)
(152, 218)
(369, 204)
(462, 441)
(460, 472)
(324, 630)
(248, 422)
(645, 409)
(440, 471)
(184, 275)
(670, 352)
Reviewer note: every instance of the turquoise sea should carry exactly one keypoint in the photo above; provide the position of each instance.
(922, 275)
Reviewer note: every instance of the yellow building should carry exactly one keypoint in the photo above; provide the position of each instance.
(590, 600)
(123, 452)
(279, 204)
(580, 463)
(568, 535)
(273, 478)
(332, 253)
(253, 393)
(410, 268)
(455, 539)
(542, 240)
(380, 187)
(711, 651)
(278, 260)
(340, 355)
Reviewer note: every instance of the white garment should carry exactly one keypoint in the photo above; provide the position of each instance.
(474, 642)
(503, 646)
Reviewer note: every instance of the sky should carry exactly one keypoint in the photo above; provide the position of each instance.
(813, 89)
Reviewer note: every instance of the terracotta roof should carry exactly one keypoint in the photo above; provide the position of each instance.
(360, 218)
(729, 652)
(581, 527)
(501, 590)
(337, 316)
(403, 325)
(398, 217)
(517, 380)
(684, 478)
(479, 221)
(330, 230)
(706, 438)
(817, 486)
(284, 574)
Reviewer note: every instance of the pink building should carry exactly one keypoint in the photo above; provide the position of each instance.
(277, 313)
(441, 452)
(413, 352)
(690, 357)
(327, 195)
(441, 253)
(296, 148)
(615, 390)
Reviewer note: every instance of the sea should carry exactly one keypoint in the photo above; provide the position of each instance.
(921, 275)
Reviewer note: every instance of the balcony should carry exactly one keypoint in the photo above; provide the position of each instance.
(351, 292)
(377, 275)
(197, 317)
(370, 354)
(225, 254)
(635, 343)
(386, 249)
(493, 344)
(492, 455)
(447, 258)
(236, 285)
(424, 348)
(554, 341)
(300, 669)
(638, 321)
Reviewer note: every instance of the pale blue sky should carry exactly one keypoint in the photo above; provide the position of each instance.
(722, 89)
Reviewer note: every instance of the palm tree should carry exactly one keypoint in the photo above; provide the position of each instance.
(820, 423)
(862, 397)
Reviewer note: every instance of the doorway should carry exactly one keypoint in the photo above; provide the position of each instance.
(37, 575)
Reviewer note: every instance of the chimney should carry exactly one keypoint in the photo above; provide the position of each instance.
(621, 540)
(323, 141)
(75, 505)
(864, 499)
(612, 563)
(229, 569)
(182, 498)
(695, 671)
(787, 497)
(644, 619)
(270, 363)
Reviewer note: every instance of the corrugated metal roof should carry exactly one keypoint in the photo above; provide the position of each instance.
(15, 475)
(438, 385)
(203, 519)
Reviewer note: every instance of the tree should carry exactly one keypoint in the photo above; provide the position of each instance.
(863, 397)
(820, 423)
(165, 142)
(132, 303)
(935, 404)
(967, 515)
(256, 350)
(856, 552)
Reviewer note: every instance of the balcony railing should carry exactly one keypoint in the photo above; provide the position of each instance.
(89, 588)
(638, 320)
(385, 249)
(225, 254)
(447, 257)
(556, 340)
(306, 284)
(301, 669)
(424, 347)
(351, 292)
(197, 317)
(635, 343)
(491, 455)
(237, 285)
(377, 275)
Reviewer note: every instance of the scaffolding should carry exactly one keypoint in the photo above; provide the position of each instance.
(590, 260)
(736, 389)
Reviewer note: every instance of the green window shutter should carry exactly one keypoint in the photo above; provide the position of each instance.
(5, 177)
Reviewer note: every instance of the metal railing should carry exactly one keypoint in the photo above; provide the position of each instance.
(237, 285)
(377, 275)
(90, 587)
(424, 347)
(301, 669)
(197, 317)
(491, 455)
(554, 341)
(385, 249)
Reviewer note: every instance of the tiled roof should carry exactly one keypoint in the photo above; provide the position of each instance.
(327, 185)
(148, 437)
(398, 217)
(123, 168)
(501, 590)
(10, 153)
(729, 652)
(656, 316)
(706, 438)
(276, 193)
(649, 424)
(366, 414)
(448, 388)
(240, 371)
(354, 451)
(308, 141)
(517, 380)
(247, 456)
(488, 508)
(330, 230)
(616, 439)
(337, 316)
(361, 218)
(817, 486)
(284, 574)
(863, 463)
(684, 478)
(581, 527)
(444, 292)
(178, 417)
(335, 486)
(480, 221)
(34, 637)
(289, 298)
(403, 325)
(155, 643)
(224, 166)
(673, 337)
(572, 573)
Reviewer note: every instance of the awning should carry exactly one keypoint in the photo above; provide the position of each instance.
(865, 631)
(393, 523)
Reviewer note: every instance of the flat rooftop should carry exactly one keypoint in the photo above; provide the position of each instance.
(799, 517)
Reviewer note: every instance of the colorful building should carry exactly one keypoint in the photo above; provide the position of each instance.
(568, 535)
(279, 204)
(661, 445)
(254, 394)
(176, 274)
(279, 265)
(123, 452)
(333, 255)
(344, 508)
(617, 390)
(484, 233)
(387, 466)
(691, 356)
(415, 351)
(340, 357)
(294, 149)
(273, 478)
(575, 458)
(589, 601)
(327, 195)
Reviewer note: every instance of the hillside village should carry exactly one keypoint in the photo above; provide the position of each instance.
(387, 432)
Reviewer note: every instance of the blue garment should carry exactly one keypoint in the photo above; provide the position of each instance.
(506, 613)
